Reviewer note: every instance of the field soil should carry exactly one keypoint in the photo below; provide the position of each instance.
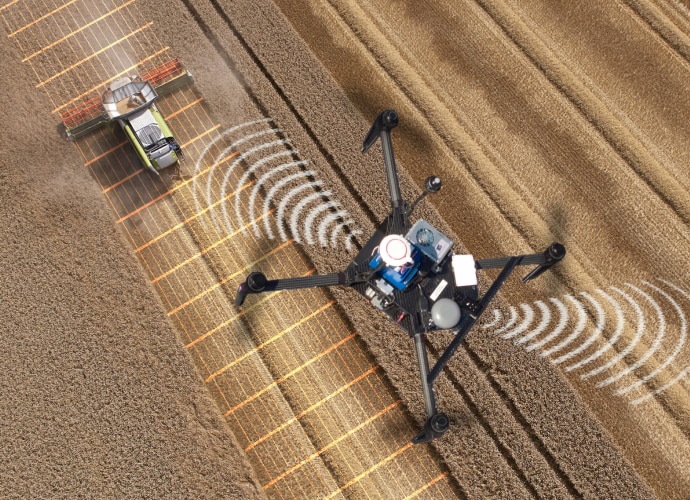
(547, 121)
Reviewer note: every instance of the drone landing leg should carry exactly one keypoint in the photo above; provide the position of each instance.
(423, 361)
(436, 423)
(468, 320)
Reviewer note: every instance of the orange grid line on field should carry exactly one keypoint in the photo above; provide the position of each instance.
(122, 181)
(228, 278)
(77, 31)
(145, 188)
(372, 469)
(207, 249)
(8, 5)
(103, 83)
(228, 321)
(427, 485)
(104, 154)
(332, 444)
(270, 341)
(145, 205)
(195, 216)
(46, 16)
(234, 318)
(284, 377)
(312, 407)
(98, 52)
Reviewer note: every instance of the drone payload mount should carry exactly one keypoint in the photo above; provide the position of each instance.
(410, 273)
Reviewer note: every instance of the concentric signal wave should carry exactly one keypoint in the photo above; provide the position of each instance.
(249, 164)
(633, 337)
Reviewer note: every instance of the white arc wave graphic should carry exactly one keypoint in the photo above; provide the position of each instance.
(524, 332)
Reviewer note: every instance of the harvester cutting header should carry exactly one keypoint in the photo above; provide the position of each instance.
(130, 101)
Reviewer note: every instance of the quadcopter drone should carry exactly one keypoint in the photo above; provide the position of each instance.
(410, 273)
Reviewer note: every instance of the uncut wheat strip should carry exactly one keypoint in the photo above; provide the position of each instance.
(589, 100)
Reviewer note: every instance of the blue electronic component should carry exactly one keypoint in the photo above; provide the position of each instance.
(399, 277)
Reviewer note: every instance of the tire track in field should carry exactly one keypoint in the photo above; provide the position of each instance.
(668, 23)
(587, 99)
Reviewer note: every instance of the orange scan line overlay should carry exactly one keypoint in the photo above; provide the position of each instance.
(147, 25)
(332, 444)
(81, 28)
(198, 214)
(205, 250)
(5, 6)
(264, 344)
(145, 205)
(206, 132)
(313, 407)
(427, 485)
(102, 84)
(225, 280)
(104, 154)
(185, 108)
(372, 469)
(227, 322)
(122, 181)
(41, 18)
(285, 377)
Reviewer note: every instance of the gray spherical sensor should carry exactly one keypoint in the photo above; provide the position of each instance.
(445, 313)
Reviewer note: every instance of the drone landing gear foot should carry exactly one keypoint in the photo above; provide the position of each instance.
(433, 429)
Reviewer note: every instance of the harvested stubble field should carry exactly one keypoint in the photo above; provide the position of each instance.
(127, 371)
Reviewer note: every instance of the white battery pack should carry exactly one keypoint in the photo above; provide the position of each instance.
(464, 270)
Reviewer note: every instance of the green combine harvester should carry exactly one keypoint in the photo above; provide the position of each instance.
(130, 101)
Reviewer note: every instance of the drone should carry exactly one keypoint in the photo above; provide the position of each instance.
(409, 273)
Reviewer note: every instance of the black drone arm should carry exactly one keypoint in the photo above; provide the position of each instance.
(386, 121)
(543, 261)
(437, 423)
(257, 282)
(468, 320)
